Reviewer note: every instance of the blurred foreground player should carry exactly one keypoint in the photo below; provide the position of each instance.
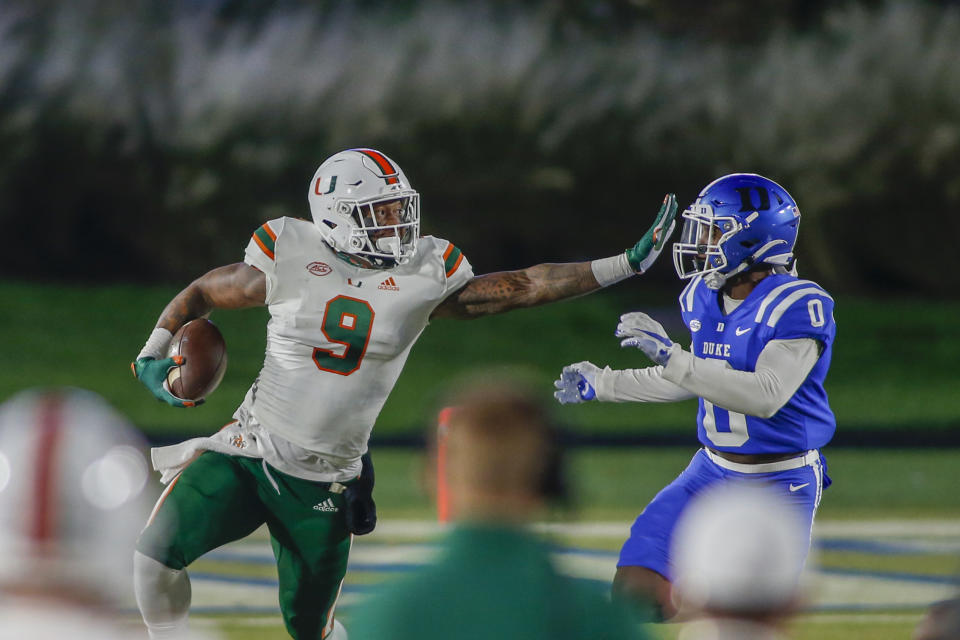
(940, 622)
(737, 553)
(493, 578)
(349, 294)
(72, 501)
(761, 341)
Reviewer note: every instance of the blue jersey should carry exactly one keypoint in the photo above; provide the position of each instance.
(781, 307)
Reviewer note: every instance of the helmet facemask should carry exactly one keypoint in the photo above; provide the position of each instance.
(383, 245)
(700, 250)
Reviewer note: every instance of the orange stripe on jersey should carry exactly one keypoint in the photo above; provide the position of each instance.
(456, 264)
(266, 227)
(263, 247)
(446, 254)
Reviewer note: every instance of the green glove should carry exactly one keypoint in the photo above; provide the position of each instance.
(642, 255)
(152, 372)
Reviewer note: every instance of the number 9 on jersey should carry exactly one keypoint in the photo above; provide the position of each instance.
(347, 322)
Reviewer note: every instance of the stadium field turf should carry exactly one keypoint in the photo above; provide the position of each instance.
(888, 527)
(87, 336)
(880, 558)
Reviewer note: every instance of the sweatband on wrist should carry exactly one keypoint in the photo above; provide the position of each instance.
(612, 270)
(157, 344)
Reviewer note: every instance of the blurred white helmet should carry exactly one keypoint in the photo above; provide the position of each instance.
(72, 493)
(738, 548)
(343, 193)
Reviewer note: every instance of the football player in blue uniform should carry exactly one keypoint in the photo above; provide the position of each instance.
(761, 340)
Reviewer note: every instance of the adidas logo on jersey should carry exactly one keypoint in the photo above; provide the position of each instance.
(389, 284)
(326, 505)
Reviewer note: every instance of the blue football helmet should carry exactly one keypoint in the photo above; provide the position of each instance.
(737, 221)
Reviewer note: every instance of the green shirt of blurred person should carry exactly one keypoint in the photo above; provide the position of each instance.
(492, 578)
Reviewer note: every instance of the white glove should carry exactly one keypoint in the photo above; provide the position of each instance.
(645, 333)
(577, 383)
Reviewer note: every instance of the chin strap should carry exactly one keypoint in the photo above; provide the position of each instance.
(716, 280)
(389, 244)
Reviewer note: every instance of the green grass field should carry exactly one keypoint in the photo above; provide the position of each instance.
(881, 381)
(894, 365)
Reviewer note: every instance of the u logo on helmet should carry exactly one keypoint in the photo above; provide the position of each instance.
(333, 185)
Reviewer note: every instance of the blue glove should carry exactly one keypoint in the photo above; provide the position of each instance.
(642, 255)
(153, 373)
(645, 333)
(577, 383)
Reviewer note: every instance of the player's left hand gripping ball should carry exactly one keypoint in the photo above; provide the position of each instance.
(642, 255)
(577, 383)
(645, 333)
(152, 373)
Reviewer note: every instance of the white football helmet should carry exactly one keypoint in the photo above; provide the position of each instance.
(739, 547)
(343, 194)
(73, 493)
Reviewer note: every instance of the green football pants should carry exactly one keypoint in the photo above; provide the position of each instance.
(221, 498)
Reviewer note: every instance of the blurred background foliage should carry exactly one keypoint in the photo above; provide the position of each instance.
(144, 141)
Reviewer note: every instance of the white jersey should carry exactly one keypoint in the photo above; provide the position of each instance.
(338, 334)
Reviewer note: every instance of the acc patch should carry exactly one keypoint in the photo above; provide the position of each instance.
(319, 268)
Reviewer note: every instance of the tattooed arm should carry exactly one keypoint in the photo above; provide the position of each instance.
(235, 286)
(505, 290)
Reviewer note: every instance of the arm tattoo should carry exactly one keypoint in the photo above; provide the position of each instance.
(498, 292)
(235, 286)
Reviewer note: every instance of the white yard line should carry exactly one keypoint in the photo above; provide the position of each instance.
(405, 542)
(863, 618)
(823, 528)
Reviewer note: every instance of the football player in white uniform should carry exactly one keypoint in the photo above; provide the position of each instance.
(348, 293)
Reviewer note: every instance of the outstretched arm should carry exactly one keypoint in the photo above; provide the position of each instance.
(781, 368)
(585, 381)
(544, 283)
(505, 290)
(234, 286)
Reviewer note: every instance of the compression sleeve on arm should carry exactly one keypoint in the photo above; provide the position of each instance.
(781, 368)
(638, 385)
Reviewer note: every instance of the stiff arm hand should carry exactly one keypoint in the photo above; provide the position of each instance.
(577, 383)
(642, 255)
(645, 333)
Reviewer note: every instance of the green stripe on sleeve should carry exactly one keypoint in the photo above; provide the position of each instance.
(265, 238)
(451, 259)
